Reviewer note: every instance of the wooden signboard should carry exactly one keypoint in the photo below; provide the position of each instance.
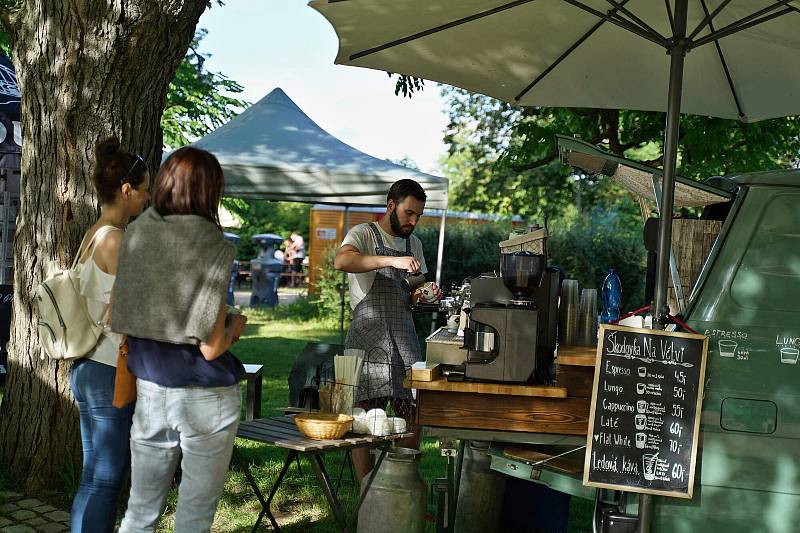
(645, 411)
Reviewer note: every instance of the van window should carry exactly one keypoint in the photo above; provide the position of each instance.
(768, 278)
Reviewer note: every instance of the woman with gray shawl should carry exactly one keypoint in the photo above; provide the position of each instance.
(169, 299)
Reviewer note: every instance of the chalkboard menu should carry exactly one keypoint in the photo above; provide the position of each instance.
(645, 411)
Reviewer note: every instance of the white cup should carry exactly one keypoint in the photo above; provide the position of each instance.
(428, 294)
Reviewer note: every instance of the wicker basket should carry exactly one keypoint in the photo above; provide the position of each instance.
(319, 426)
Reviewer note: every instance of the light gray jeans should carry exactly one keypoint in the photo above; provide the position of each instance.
(198, 423)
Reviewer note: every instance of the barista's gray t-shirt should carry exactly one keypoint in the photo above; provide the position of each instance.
(363, 240)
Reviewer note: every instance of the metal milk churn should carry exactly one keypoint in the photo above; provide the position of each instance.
(480, 492)
(395, 502)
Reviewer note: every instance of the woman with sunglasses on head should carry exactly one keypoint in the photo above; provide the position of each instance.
(169, 300)
(122, 181)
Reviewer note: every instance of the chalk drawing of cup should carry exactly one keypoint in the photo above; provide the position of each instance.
(640, 421)
(641, 440)
(649, 463)
(641, 387)
(641, 406)
(789, 355)
(642, 370)
(727, 348)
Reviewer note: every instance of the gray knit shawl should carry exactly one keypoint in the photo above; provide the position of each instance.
(172, 278)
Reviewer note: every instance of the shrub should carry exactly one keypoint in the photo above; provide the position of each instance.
(327, 295)
(469, 250)
(585, 246)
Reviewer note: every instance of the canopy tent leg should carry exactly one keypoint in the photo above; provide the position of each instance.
(439, 256)
(345, 229)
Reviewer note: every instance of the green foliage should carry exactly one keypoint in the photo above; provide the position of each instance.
(264, 216)
(197, 100)
(585, 247)
(407, 85)
(299, 310)
(327, 294)
(469, 249)
(503, 159)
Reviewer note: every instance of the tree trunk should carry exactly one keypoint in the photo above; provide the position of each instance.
(87, 69)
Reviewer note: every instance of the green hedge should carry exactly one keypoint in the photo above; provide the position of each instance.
(584, 246)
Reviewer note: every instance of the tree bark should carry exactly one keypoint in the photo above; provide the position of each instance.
(86, 69)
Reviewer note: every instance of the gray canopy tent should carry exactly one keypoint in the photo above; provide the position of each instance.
(274, 151)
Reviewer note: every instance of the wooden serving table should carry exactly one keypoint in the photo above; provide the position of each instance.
(536, 418)
(282, 432)
(560, 409)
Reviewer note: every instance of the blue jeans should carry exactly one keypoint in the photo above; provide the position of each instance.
(195, 426)
(105, 435)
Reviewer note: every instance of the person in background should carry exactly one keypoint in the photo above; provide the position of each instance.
(286, 269)
(377, 257)
(122, 182)
(298, 255)
(169, 300)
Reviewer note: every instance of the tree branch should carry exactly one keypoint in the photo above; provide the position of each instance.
(536, 164)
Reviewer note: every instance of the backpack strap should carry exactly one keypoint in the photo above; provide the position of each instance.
(98, 236)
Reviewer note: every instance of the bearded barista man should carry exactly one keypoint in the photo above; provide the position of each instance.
(376, 255)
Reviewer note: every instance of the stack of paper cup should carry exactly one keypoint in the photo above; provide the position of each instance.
(587, 319)
(568, 312)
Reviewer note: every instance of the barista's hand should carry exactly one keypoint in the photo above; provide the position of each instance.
(407, 263)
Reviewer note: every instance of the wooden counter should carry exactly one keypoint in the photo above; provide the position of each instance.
(561, 409)
(508, 389)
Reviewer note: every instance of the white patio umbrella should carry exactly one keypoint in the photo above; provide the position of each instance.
(730, 59)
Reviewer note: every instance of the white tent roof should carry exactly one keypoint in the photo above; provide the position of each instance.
(274, 151)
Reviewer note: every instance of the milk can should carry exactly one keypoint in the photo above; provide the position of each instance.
(480, 492)
(395, 502)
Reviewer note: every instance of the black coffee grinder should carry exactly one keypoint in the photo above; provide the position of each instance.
(501, 338)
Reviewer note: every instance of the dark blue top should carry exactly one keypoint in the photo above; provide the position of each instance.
(181, 365)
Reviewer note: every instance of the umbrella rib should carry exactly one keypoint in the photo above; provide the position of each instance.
(622, 23)
(635, 19)
(722, 60)
(670, 17)
(743, 24)
(564, 55)
(709, 17)
(437, 29)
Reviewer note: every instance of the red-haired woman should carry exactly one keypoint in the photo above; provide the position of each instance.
(169, 300)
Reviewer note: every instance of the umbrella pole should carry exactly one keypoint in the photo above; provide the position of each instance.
(677, 50)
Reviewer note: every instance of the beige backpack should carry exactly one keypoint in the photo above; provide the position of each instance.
(66, 329)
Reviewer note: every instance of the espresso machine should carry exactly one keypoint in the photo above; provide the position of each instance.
(510, 333)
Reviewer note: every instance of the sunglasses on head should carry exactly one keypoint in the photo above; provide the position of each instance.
(127, 176)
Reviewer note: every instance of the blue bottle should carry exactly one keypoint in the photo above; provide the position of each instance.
(612, 297)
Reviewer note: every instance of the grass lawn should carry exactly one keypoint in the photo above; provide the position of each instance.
(273, 338)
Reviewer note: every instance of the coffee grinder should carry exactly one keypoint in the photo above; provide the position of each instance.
(501, 338)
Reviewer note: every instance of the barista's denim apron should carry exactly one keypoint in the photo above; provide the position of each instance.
(383, 327)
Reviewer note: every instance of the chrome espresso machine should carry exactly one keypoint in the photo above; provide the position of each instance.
(506, 324)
